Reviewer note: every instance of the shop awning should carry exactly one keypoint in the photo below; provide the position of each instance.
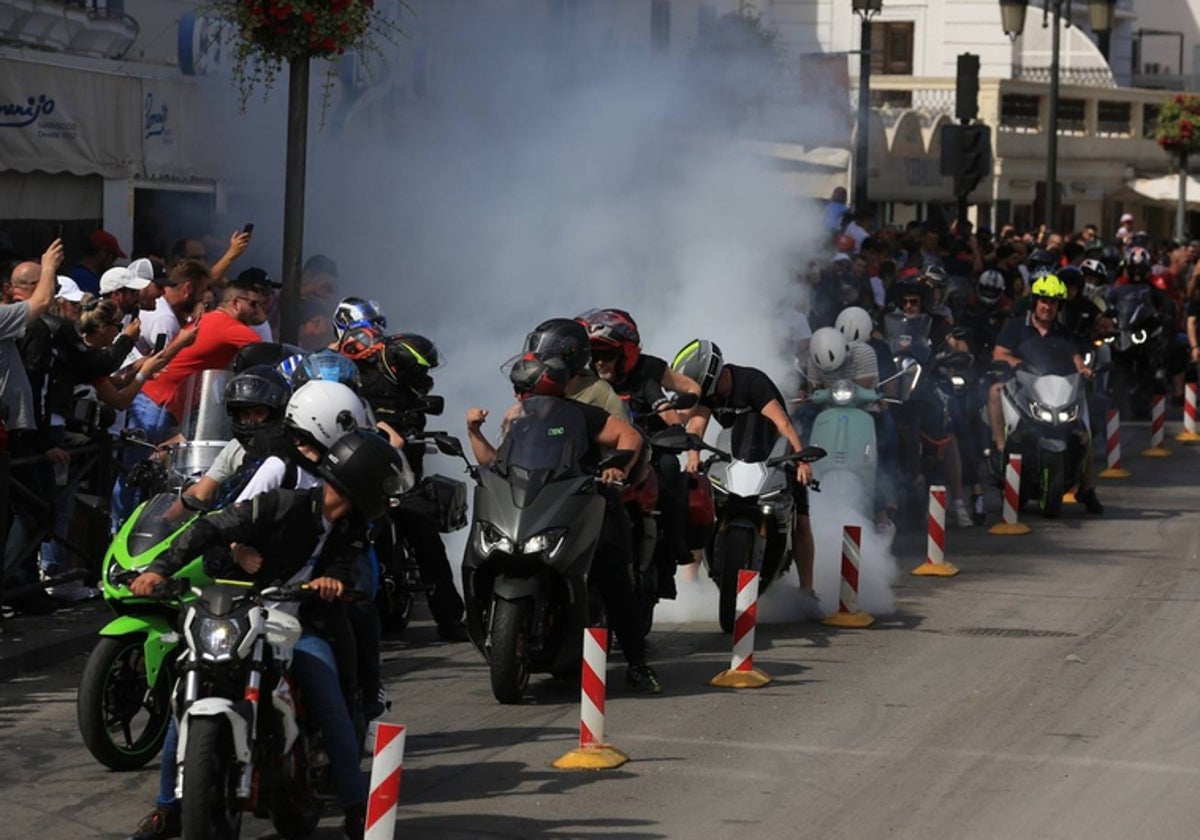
(1164, 190)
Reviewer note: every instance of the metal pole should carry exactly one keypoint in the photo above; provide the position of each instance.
(293, 198)
(862, 142)
(1181, 207)
(1052, 141)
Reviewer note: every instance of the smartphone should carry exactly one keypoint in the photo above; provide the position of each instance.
(249, 228)
(58, 231)
(160, 342)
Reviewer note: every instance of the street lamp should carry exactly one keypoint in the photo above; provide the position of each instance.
(865, 9)
(1012, 17)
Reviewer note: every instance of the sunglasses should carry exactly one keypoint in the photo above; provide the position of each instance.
(912, 301)
(254, 302)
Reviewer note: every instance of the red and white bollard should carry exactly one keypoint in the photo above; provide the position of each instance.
(848, 614)
(1012, 501)
(742, 673)
(593, 753)
(935, 551)
(1112, 447)
(1158, 422)
(1190, 434)
(385, 782)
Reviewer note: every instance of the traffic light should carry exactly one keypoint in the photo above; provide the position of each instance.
(966, 87)
(966, 155)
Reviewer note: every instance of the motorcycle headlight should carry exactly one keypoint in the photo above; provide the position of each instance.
(1040, 412)
(1109, 339)
(957, 381)
(1139, 337)
(1069, 415)
(217, 638)
(489, 538)
(548, 541)
(842, 392)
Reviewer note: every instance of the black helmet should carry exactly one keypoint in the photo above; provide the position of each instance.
(1137, 264)
(1041, 259)
(262, 353)
(365, 469)
(407, 359)
(700, 361)
(1070, 275)
(260, 385)
(561, 338)
(534, 377)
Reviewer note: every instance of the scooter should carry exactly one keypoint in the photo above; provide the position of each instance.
(537, 518)
(846, 431)
(1139, 353)
(754, 504)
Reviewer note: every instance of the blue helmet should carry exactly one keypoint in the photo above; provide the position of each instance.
(328, 366)
(358, 312)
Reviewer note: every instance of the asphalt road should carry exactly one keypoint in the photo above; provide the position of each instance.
(1049, 691)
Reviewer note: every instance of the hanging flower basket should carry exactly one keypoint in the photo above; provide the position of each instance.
(1178, 126)
(272, 32)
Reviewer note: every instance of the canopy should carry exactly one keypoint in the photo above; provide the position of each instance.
(1164, 190)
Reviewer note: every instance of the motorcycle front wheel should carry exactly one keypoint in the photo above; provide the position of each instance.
(508, 649)
(737, 551)
(211, 809)
(1054, 469)
(123, 721)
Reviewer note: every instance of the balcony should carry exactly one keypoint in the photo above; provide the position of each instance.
(96, 28)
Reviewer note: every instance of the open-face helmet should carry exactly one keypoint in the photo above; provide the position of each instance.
(1050, 287)
(828, 349)
(855, 323)
(991, 286)
(320, 412)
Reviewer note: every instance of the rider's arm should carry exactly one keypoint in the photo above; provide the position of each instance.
(618, 434)
(481, 447)
(697, 424)
(679, 383)
(1003, 354)
(775, 412)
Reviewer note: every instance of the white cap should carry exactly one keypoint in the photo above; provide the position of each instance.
(68, 289)
(1126, 217)
(120, 278)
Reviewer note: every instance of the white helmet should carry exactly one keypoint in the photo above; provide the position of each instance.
(828, 349)
(324, 411)
(991, 286)
(854, 323)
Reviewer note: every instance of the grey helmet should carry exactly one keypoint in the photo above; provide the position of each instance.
(700, 361)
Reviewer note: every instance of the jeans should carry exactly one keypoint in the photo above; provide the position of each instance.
(158, 424)
(20, 556)
(54, 559)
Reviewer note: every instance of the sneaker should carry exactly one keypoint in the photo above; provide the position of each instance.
(163, 821)
(1088, 499)
(72, 592)
(978, 512)
(642, 679)
(375, 708)
(452, 631)
(959, 515)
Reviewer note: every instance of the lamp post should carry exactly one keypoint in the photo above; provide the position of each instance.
(865, 9)
(1012, 17)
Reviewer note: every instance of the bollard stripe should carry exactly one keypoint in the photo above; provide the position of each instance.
(1189, 407)
(592, 687)
(1157, 420)
(851, 540)
(383, 799)
(935, 550)
(743, 625)
(1012, 488)
(1113, 444)
(380, 820)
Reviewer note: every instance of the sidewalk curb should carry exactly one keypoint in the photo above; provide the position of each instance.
(35, 643)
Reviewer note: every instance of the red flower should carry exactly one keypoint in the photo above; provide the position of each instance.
(309, 17)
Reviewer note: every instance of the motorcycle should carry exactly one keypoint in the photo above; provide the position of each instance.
(754, 504)
(846, 431)
(1138, 353)
(1045, 410)
(537, 518)
(245, 743)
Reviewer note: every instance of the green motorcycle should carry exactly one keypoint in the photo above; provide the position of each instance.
(124, 700)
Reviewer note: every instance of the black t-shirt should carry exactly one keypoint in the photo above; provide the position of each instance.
(642, 390)
(394, 404)
(553, 431)
(1051, 353)
(751, 391)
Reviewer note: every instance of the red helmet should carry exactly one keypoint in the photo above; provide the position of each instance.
(613, 329)
(844, 242)
(534, 377)
(1158, 278)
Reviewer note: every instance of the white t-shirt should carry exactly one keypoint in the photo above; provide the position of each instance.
(859, 233)
(227, 462)
(160, 320)
(263, 330)
(270, 476)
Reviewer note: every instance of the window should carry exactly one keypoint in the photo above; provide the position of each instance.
(1114, 119)
(660, 24)
(1072, 117)
(1149, 119)
(1019, 113)
(892, 48)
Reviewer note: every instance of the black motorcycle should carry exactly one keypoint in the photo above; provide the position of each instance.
(1139, 352)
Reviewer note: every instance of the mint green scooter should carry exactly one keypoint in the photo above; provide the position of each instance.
(846, 431)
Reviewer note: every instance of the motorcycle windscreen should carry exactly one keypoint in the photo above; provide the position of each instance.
(204, 415)
(752, 437)
(546, 441)
(161, 517)
(907, 335)
(1049, 355)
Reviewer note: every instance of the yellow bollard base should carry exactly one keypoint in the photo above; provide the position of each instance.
(1069, 498)
(846, 619)
(1115, 472)
(754, 678)
(1188, 437)
(603, 757)
(1009, 529)
(1156, 452)
(928, 569)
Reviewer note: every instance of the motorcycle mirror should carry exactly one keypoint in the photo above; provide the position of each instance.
(807, 455)
(675, 440)
(448, 445)
(619, 459)
(196, 505)
(684, 401)
(431, 404)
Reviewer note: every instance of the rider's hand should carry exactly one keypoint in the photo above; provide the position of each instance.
(1196, 354)
(146, 583)
(58, 456)
(612, 475)
(476, 418)
(693, 462)
(803, 472)
(238, 243)
(328, 588)
(54, 254)
(134, 329)
(247, 557)
(1086, 372)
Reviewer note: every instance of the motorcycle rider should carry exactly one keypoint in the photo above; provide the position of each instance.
(728, 390)
(316, 534)
(354, 312)
(535, 376)
(642, 380)
(1041, 322)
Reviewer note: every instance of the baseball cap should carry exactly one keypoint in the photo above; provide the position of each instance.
(120, 278)
(256, 278)
(1126, 217)
(102, 240)
(68, 289)
(146, 269)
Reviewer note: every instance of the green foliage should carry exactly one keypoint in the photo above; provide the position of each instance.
(1178, 126)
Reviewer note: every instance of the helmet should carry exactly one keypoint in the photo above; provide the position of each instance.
(1071, 275)
(561, 338)
(1041, 258)
(1096, 269)
(938, 281)
(323, 411)
(268, 353)
(613, 329)
(700, 361)
(535, 377)
(1137, 263)
(327, 366)
(1049, 286)
(365, 469)
(357, 312)
(260, 385)
(1111, 257)
(360, 343)
(407, 359)
(909, 287)
(828, 349)
(854, 323)
(844, 243)
(1158, 278)
(991, 286)
(289, 365)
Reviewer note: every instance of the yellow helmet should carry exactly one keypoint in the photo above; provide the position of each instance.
(1049, 286)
